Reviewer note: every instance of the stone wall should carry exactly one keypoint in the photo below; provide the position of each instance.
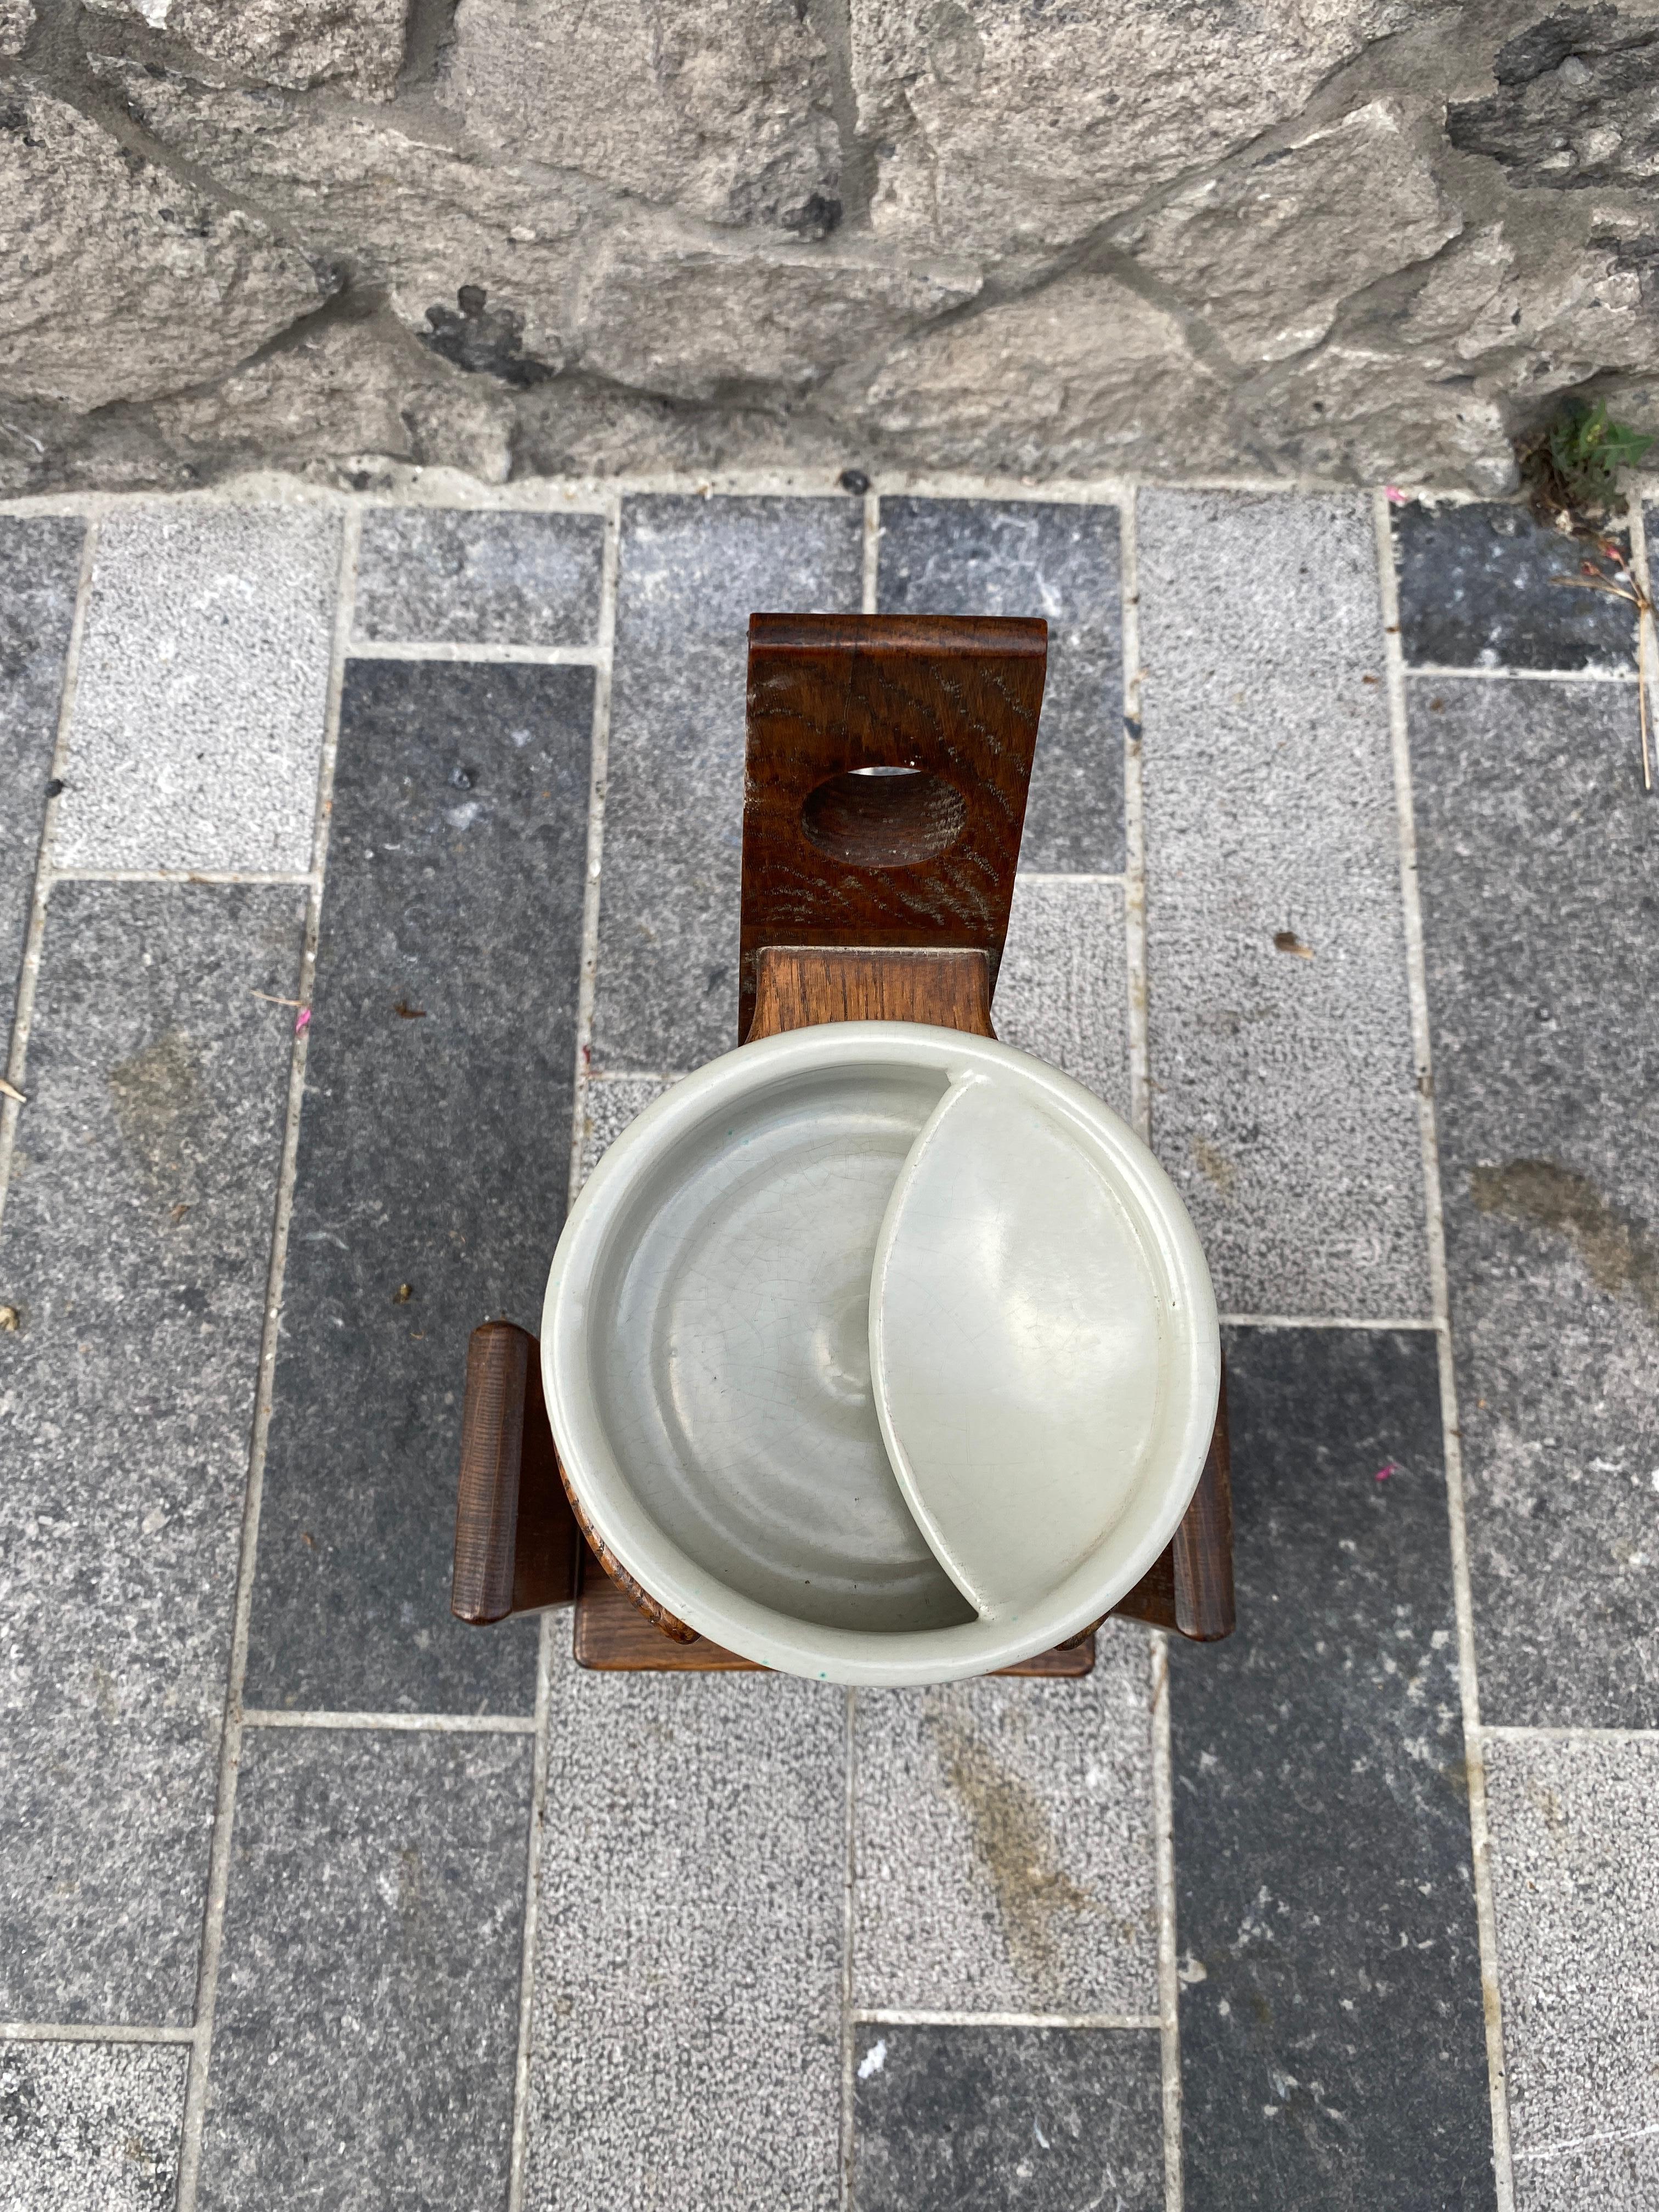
(1335, 238)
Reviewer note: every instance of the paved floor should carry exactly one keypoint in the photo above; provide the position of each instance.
(1338, 878)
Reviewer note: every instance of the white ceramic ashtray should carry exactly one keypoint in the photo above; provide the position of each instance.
(881, 1354)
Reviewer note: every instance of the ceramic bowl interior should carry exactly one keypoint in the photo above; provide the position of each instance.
(708, 1339)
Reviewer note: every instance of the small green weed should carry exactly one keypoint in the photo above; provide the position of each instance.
(1572, 464)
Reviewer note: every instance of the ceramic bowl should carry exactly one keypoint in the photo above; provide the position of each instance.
(881, 1354)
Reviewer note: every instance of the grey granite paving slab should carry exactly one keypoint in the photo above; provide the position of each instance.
(961, 557)
(692, 572)
(1333, 2049)
(1539, 866)
(609, 1103)
(366, 2028)
(90, 2127)
(1479, 589)
(1062, 991)
(1004, 1842)
(199, 713)
(450, 574)
(39, 572)
(1575, 1870)
(1284, 1101)
(135, 1250)
(1000, 2119)
(686, 2042)
(434, 1152)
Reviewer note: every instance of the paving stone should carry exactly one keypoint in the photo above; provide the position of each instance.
(1062, 992)
(366, 2028)
(1004, 1845)
(693, 570)
(1575, 1870)
(1539, 866)
(1000, 2119)
(1284, 1101)
(1479, 589)
(479, 578)
(960, 556)
(435, 1151)
(40, 570)
(90, 2124)
(1332, 2050)
(609, 1104)
(686, 2044)
(136, 1239)
(199, 713)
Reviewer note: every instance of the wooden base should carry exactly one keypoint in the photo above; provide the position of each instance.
(613, 1635)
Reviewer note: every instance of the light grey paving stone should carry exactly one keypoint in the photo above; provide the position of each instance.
(40, 571)
(199, 709)
(974, 556)
(1284, 1101)
(135, 1249)
(1575, 1868)
(693, 570)
(1538, 863)
(609, 1104)
(686, 2045)
(1063, 990)
(90, 2127)
(449, 574)
(1004, 1842)
(366, 2028)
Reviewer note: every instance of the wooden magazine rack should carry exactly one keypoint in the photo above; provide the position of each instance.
(888, 762)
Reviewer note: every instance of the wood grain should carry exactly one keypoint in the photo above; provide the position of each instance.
(515, 1539)
(799, 985)
(833, 855)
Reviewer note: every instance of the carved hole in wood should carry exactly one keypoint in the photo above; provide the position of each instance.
(884, 817)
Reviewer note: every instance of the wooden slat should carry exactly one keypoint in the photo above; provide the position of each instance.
(800, 986)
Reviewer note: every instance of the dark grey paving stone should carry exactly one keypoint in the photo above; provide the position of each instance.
(961, 557)
(1478, 589)
(434, 1150)
(367, 2024)
(471, 578)
(1539, 867)
(135, 1246)
(92, 2125)
(40, 570)
(979, 2119)
(693, 571)
(1283, 1097)
(686, 2042)
(1575, 1868)
(1333, 2049)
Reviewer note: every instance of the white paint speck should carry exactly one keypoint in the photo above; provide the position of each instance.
(463, 817)
(873, 2059)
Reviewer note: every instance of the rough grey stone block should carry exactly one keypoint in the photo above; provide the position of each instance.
(1481, 586)
(90, 2127)
(1333, 2045)
(609, 1104)
(977, 2119)
(1284, 1101)
(1062, 991)
(367, 2022)
(693, 571)
(686, 2045)
(485, 579)
(1575, 1872)
(1538, 859)
(434, 1152)
(293, 43)
(198, 715)
(134, 281)
(40, 571)
(1004, 1842)
(136, 1244)
(959, 556)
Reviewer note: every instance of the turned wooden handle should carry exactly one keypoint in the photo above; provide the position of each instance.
(515, 1536)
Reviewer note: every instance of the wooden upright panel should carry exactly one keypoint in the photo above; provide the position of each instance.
(921, 852)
